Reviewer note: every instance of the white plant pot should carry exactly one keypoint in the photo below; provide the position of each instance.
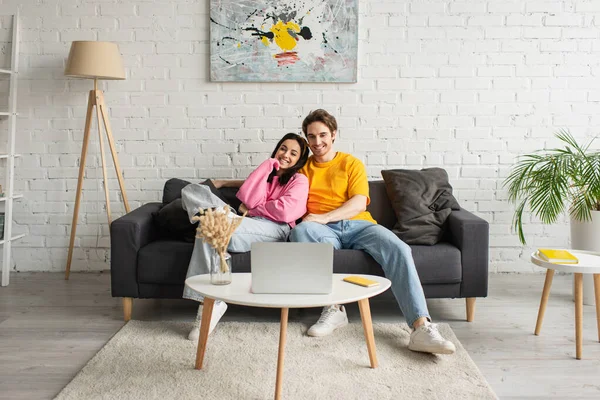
(586, 236)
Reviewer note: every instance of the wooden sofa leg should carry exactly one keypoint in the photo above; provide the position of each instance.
(470, 308)
(127, 305)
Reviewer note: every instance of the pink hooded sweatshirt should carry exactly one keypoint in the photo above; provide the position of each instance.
(278, 203)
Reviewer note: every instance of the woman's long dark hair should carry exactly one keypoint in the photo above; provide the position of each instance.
(288, 173)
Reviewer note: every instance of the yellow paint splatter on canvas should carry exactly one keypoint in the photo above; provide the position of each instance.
(283, 39)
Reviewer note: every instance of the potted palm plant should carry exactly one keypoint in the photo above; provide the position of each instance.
(549, 182)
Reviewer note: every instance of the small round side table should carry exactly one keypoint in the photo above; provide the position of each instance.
(589, 263)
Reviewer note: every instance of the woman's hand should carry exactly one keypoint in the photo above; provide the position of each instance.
(217, 182)
(242, 208)
(276, 164)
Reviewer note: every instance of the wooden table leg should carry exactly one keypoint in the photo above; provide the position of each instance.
(281, 355)
(578, 314)
(365, 315)
(207, 310)
(597, 292)
(544, 301)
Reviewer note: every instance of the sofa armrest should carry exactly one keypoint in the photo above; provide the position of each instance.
(470, 234)
(128, 234)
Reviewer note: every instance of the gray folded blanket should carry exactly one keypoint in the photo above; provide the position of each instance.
(195, 197)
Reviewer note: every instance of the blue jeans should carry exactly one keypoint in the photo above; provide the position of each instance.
(251, 230)
(394, 256)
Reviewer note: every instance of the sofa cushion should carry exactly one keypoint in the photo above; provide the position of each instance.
(427, 260)
(422, 201)
(441, 263)
(164, 261)
(380, 206)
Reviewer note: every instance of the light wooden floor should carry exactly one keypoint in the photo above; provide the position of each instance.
(49, 329)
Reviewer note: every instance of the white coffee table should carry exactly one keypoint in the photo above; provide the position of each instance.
(589, 263)
(238, 292)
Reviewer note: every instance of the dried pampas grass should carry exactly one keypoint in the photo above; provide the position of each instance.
(216, 229)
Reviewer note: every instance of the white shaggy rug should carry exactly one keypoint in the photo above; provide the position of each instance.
(153, 360)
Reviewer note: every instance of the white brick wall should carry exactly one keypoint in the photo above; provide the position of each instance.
(465, 85)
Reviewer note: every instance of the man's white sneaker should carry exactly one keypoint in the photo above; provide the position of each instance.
(427, 339)
(218, 310)
(332, 317)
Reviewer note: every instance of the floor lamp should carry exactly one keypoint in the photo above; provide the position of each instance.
(95, 60)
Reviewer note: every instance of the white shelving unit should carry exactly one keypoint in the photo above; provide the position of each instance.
(11, 114)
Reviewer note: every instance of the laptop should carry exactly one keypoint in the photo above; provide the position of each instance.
(291, 268)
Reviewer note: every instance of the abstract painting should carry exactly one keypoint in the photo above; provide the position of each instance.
(283, 41)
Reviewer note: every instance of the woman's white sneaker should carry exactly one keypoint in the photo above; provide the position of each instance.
(332, 317)
(218, 310)
(427, 339)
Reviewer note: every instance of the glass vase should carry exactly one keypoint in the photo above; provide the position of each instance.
(220, 268)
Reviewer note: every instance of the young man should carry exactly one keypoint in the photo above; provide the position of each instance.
(337, 202)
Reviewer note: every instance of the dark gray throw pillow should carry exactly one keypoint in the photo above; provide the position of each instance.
(173, 222)
(172, 190)
(422, 201)
(228, 195)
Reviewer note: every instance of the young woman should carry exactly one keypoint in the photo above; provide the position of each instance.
(274, 196)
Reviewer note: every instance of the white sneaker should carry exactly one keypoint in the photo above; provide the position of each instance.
(218, 310)
(332, 317)
(427, 339)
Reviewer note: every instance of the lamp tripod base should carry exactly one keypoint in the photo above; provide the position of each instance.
(95, 100)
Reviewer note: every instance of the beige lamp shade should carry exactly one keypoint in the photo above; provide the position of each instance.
(95, 60)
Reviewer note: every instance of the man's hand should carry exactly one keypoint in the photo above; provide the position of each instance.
(221, 183)
(318, 218)
(242, 208)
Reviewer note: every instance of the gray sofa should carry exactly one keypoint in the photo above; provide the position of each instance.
(144, 265)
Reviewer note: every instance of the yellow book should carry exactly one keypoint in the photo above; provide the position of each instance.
(359, 280)
(557, 256)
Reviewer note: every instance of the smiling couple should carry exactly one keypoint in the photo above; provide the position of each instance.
(330, 192)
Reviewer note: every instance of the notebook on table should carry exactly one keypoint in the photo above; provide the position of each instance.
(557, 256)
(292, 268)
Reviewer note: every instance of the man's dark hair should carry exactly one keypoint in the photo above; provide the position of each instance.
(322, 116)
(288, 173)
